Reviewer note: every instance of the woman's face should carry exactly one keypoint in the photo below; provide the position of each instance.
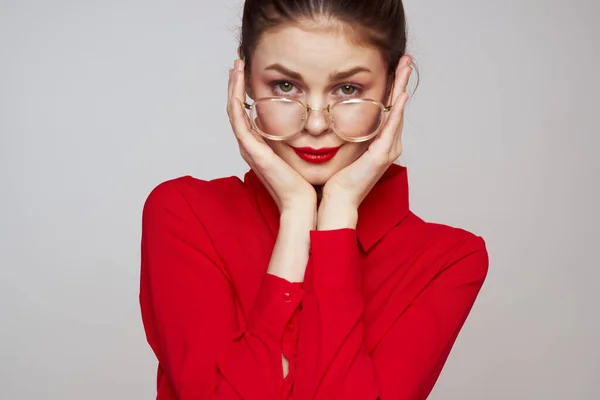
(318, 67)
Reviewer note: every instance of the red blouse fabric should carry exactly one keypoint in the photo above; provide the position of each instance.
(376, 316)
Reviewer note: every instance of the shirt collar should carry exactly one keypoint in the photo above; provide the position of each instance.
(385, 206)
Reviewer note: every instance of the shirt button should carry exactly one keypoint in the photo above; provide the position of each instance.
(287, 297)
(290, 326)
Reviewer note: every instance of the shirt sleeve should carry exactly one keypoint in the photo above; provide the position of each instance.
(333, 361)
(189, 316)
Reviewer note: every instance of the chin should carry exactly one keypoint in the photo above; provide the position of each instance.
(317, 180)
(316, 175)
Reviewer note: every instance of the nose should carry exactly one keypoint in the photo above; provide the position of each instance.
(316, 123)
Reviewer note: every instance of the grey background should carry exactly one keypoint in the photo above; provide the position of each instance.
(102, 100)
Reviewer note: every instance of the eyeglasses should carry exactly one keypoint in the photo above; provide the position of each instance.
(282, 118)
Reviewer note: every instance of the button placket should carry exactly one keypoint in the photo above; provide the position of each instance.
(287, 297)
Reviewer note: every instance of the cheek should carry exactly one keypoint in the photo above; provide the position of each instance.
(278, 147)
(355, 150)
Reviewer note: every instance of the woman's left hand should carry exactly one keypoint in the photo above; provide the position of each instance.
(346, 189)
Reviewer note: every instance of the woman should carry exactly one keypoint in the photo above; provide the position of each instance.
(309, 279)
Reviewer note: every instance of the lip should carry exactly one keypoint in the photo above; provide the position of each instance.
(316, 156)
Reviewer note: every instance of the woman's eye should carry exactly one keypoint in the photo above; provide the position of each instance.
(348, 90)
(285, 87)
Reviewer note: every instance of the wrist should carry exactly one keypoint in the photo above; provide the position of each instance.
(299, 218)
(336, 215)
(290, 253)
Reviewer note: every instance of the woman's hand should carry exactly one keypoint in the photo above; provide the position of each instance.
(294, 196)
(346, 189)
(288, 188)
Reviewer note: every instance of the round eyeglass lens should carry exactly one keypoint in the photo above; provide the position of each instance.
(278, 117)
(356, 118)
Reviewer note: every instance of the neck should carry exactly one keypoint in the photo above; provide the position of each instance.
(319, 190)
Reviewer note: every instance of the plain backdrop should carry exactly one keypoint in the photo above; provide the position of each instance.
(102, 100)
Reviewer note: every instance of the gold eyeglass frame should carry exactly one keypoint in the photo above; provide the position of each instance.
(307, 109)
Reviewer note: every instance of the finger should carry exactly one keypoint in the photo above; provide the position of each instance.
(396, 122)
(229, 88)
(239, 119)
(402, 76)
(398, 113)
(246, 138)
(392, 128)
(239, 91)
(239, 64)
(398, 125)
(239, 87)
(230, 83)
(253, 148)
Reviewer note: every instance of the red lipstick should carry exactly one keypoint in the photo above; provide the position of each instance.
(316, 156)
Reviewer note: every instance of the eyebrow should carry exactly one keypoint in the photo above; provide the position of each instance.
(336, 76)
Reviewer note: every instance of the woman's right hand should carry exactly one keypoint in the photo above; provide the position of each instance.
(287, 187)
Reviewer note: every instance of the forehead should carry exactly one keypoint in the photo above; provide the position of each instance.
(312, 49)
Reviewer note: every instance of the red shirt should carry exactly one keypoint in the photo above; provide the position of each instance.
(376, 316)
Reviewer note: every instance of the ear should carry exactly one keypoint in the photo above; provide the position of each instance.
(249, 92)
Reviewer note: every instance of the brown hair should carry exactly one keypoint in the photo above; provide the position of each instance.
(380, 23)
